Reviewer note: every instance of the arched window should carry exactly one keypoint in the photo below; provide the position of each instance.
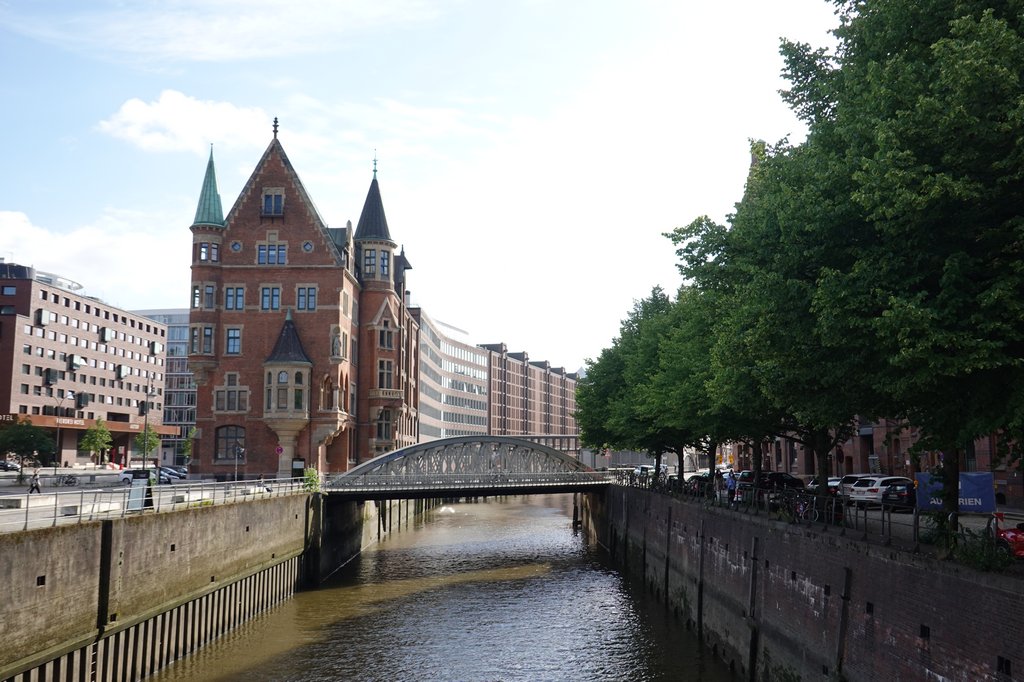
(230, 443)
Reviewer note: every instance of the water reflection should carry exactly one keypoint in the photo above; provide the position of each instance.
(500, 590)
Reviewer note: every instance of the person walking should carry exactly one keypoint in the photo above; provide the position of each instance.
(730, 487)
(34, 488)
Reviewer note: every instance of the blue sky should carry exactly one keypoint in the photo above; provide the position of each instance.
(531, 153)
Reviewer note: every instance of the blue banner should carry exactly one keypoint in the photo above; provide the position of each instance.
(977, 493)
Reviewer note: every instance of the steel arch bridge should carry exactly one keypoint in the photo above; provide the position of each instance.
(467, 466)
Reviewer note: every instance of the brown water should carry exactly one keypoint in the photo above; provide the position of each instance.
(498, 590)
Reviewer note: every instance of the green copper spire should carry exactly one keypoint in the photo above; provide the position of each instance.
(209, 211)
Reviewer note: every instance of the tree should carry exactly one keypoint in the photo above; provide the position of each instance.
(610, 405)
(923, 101)
(97, 439)
(147, 442)
(188, 444)
(26, 440)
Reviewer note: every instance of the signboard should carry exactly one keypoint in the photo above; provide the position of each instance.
(279, 449)
(977, 494)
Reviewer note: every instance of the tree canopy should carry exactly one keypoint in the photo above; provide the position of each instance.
(873, 270)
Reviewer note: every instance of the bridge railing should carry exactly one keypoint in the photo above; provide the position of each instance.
(70, 506)
(482, 481)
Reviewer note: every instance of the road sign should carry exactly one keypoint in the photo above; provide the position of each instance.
(279, 449)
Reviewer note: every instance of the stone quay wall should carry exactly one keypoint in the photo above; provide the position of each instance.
(120, 599)
(779, 601)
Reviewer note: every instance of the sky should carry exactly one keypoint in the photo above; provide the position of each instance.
(531, 154)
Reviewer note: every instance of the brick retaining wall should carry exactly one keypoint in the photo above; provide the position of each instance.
(802, 603)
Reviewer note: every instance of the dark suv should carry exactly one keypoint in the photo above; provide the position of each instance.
(770, 480)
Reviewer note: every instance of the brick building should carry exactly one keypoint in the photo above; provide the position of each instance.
(68, 360)
(306, 352)
(302, 348)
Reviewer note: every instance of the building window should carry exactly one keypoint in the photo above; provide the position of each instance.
(270, 298)
(384, 425)
(370, 262)
(273, 202)
(230, 397)
(208, 299)
(234, 298)
(195, 298)
(384, 374)
(208, 340)
(215, 252)
(234, 342)
(385, 263)
(230, 444)
(272, 254)
(306, 298)
(386, 337)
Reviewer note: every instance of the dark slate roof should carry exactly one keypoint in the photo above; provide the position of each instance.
(289, 347)
(372, 222)
(209, 211)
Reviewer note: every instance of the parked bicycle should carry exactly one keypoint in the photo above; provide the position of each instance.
(67, 480)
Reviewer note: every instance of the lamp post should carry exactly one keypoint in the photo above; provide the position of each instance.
(56, 418)
(145, 430)
(239, 454)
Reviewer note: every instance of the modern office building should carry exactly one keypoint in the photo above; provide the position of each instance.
(68, 360)
(453, 382)
(179, 387)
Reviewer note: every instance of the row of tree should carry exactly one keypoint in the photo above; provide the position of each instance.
(874, 270)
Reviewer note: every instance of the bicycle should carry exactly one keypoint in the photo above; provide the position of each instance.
(67, 480)
(805, 510)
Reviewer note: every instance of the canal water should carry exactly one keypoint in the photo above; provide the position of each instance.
(501, 590)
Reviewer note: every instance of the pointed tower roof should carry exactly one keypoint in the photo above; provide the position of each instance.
(289, 347)
(372, 222)
(209, 211)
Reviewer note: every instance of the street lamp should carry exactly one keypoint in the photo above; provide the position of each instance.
(145, 430)
(239, 454)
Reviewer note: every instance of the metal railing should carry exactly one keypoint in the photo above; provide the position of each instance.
(473, 481)
(66, 506)
(884, 523)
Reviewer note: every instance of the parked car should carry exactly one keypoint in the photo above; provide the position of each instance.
(8, 465)
(847, 481)
(183, 470)
(868, 490)
(171, 472)
(1010, 540)
(832, 482)
(901, 496)
(128, 475)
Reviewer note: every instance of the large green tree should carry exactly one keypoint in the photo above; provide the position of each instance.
(97, 439)
(26, 440)
(923, 102)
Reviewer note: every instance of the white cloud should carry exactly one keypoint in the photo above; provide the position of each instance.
(130, 260)
(177, 122)
(214, 30)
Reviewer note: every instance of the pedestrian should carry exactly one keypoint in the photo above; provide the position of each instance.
(263, 484)
(730, 486)
(34, 488)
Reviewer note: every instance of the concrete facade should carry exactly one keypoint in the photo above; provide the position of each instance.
(69, 360)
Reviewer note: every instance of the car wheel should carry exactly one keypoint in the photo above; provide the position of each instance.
(126, 481)
(1003, 547)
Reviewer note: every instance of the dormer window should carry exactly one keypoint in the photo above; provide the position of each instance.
(273, 201)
